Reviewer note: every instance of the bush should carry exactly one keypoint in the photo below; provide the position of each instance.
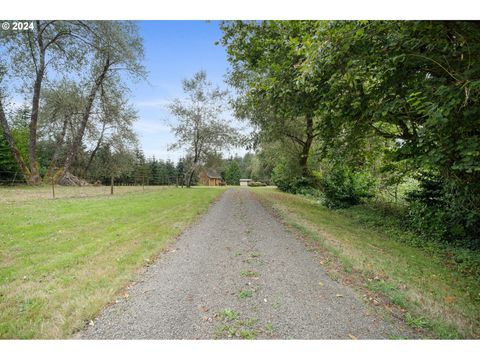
(343, 187)
(392, 219)
(442, 212)
(256, 183)
(288, 180)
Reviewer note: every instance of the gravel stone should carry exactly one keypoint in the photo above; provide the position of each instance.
(183, 294)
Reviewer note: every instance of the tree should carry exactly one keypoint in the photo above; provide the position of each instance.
(180, 172)
(387, 99)
(65, 47)
(233, 173)
(414, 83)
(140, 170)
(200, 129)
(116, 161)
(31, 55)
(154, 175)
(170, 172)
(19, 131)
(113, 121)
(60, 110)
(265, 70)
(117, 48)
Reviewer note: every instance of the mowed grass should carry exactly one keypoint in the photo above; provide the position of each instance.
(63, 260)
(439, 300)
(16, 194)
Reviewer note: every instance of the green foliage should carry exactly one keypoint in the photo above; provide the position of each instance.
(200, 128)
(233, 174)
(256, 183)
(249, 273)
(90, 58)
(229, 314)
(265, 68)
(442, 211)
(393, 98)
(344, 187)
(7, 163)
(9, 169)
(389, 290)
(287, 179)
(418, 322)
(245, 294)
(396, 221)
(162, 172)
(248, 334)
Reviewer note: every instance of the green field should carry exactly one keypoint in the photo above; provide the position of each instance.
(63, 260)
(420, 287)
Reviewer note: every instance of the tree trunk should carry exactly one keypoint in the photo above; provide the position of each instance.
(94, 152)
(190, 177)
(37, 87)
(13, 147)
(303, 160)
(56, 154)
(77, 141)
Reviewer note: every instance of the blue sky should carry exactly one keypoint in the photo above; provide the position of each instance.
(174, 50)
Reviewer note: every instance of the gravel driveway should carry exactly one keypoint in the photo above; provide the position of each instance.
(239, 274)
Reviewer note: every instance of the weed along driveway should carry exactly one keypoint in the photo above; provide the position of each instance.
(238, 273)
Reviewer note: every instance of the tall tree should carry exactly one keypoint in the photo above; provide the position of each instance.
(117, 48)
(49, 45)
(200, 128)
(114, 120)
(91, 53)
(180, 172)
(233, 173)
(60, 111)
(265, 70)
(19, 131)
(413, 82)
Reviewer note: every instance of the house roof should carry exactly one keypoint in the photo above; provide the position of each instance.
(245, 179)
(212, 174)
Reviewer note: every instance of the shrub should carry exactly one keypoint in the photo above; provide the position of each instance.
(288, 180)
(343, 187)
(440, 211)
(311, 192)
(256, 183)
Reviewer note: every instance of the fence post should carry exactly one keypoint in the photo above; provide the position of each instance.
(111, 185)
(14, 178)
(53, 188)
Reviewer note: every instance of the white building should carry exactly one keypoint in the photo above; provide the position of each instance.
(244, 182)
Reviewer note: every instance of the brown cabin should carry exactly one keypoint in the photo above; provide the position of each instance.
(211, 178)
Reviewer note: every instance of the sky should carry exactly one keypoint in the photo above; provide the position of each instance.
(174, 50)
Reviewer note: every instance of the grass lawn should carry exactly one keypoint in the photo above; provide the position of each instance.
(63, 260)
(405, 281)
(16, 194)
